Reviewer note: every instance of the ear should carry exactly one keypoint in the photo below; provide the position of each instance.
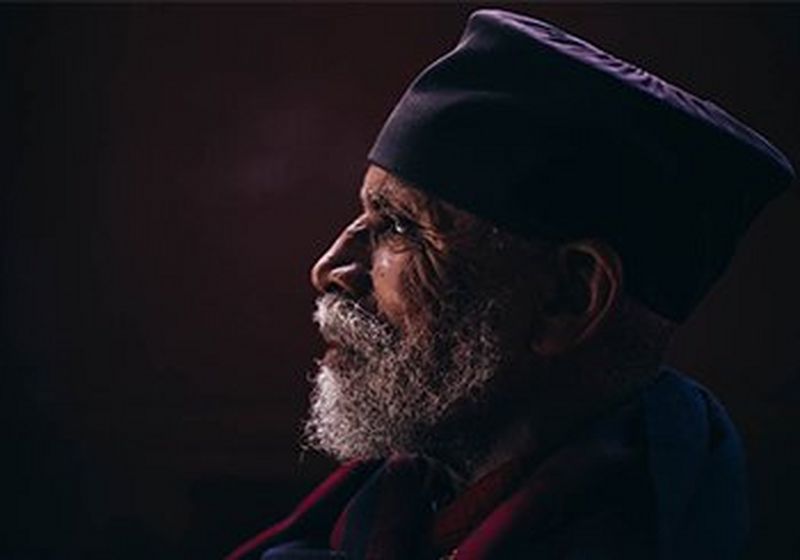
(587, 286)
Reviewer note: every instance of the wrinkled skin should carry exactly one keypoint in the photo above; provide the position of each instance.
(407, 252)
(443, 331)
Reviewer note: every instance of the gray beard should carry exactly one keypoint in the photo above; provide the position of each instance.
(379, 392)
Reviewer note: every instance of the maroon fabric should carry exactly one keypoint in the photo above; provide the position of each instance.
(581, 488)
(595, 489)
(453, 523)
(390, 517)
(591, 495)
(315, 515)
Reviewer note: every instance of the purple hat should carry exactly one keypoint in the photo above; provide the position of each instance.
(550, 137)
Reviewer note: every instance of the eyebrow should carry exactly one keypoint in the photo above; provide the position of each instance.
(379, 202)
(383, 199)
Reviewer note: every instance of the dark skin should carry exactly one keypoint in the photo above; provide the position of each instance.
(397, 252)
(406, 250)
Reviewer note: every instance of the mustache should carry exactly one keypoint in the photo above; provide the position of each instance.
(345, 323)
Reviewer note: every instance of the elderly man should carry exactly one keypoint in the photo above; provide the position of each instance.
(538, 216)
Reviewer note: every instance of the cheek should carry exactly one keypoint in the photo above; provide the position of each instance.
(389, 285)
(407, 287)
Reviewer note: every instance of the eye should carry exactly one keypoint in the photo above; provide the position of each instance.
(399, 226)
(394, 228)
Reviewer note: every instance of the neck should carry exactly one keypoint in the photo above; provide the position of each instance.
(528, 426)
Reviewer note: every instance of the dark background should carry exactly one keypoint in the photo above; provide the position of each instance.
(170, 175)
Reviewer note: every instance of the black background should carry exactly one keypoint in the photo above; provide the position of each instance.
(170, 175)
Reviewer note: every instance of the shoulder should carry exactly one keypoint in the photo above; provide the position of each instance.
(697, 468)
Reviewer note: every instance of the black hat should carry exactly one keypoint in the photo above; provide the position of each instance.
(550, 137)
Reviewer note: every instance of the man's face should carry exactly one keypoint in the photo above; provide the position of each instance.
(390, 259)
(421, 311)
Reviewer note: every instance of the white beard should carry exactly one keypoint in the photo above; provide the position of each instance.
(378, 392)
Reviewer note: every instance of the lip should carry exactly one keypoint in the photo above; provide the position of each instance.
(331, 343)
(340, 357)
(334, 357)
(332, 350)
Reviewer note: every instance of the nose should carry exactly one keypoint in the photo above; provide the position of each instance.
(345, 266)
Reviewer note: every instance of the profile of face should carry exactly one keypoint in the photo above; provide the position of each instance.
(422, 307)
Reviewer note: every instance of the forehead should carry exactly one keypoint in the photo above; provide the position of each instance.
(381, 189)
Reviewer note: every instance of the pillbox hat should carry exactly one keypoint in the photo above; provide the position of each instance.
(550, 137)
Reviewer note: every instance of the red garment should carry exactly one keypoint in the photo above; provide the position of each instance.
(454, 522)
(591, 493)
(315, 515)
(659, 478)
